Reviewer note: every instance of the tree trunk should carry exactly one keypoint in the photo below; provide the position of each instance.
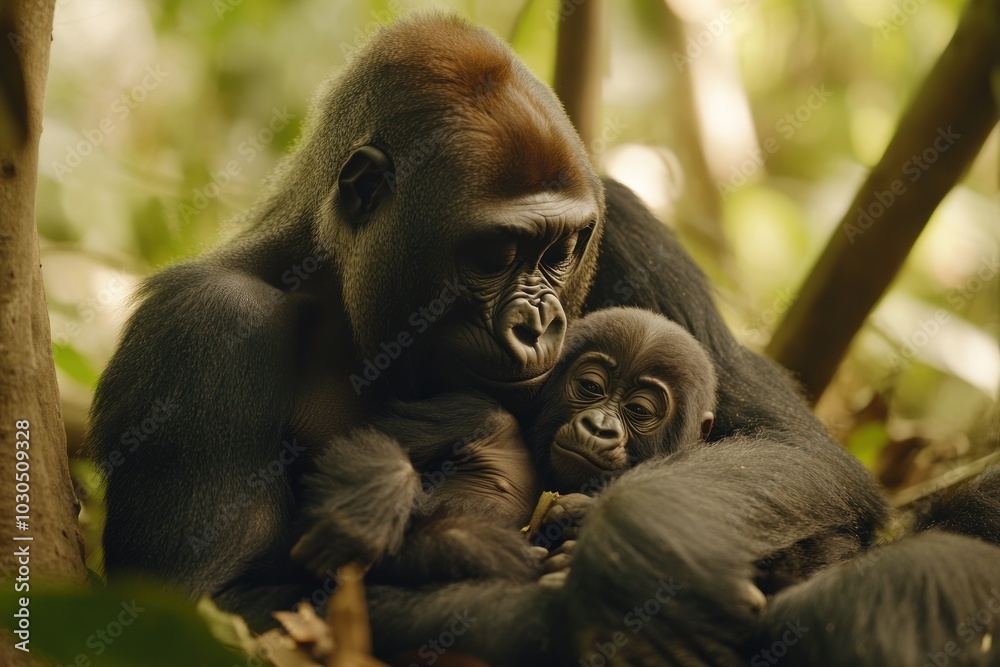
(32, 438)
(945, 126)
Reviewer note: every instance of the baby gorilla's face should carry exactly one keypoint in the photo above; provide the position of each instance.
(630, 385)
(607, 411)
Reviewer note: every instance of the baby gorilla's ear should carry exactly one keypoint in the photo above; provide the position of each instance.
(707, 419)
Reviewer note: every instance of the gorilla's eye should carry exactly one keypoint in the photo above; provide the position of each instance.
(639, 410)
(493, 257)
(589, 383)
(559, 256)
(645, 409)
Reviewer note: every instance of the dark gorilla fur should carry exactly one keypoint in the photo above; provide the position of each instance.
(439, 170)
(458, 508)
(931, 598)
(971, 509)
(478, 479)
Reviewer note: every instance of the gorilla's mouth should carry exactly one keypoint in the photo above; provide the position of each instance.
(530, 382)
(574, 456)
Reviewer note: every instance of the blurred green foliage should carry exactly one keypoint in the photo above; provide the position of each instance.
(160, 125)
(115, 627)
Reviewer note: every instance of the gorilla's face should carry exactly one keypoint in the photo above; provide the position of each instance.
(631, 385)
(509, 333)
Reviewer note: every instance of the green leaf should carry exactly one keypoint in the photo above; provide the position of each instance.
(867, 442)
(72, 363)
(115, 627)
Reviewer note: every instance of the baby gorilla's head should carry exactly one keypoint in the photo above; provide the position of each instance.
(630, 385)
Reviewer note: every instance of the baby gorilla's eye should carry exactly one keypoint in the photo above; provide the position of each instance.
(588, 384)
(638, 410)
(646, 409)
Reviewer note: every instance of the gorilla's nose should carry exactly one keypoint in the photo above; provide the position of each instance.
(601, 429)
(532, 330)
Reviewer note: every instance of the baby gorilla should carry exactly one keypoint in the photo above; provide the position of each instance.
(630, 385)
(452, 479)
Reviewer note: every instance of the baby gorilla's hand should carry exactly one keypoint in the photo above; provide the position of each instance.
(559, 560)
(562, 520)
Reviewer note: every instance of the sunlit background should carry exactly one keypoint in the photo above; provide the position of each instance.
(163, 117)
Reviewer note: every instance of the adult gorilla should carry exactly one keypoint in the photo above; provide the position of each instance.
(436, 230)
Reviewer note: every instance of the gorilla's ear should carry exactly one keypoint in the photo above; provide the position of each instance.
(707, 421)
(364, 182)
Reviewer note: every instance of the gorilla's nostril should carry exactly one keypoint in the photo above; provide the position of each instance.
(532, 335)
(526, 335)
(601, 427)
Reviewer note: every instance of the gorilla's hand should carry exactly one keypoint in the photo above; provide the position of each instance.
(562, 521)
(333, 542)
(358, 504)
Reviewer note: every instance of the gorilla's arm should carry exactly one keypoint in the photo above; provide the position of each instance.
(358, 503)
(506, 622)
(471, 455)
(933, 597)
(480, 488)
(194, 496)
(435, 490)
(970, 509)
(702, 518)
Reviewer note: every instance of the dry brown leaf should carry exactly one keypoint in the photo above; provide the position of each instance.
(347, 614)
(306, 627)
(545, 502)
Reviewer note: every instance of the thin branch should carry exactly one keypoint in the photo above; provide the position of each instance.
(952, 478)
(578, 64)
